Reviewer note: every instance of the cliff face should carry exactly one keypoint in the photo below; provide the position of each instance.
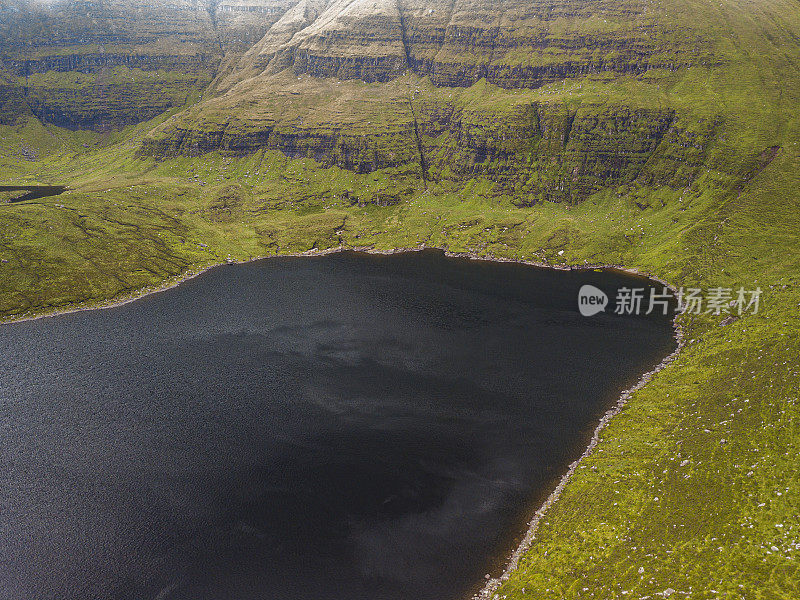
(551, 152)
(526, 143)
(550, 100)
(350, 125)
(100, 65)
(451, 91)
(513, 43)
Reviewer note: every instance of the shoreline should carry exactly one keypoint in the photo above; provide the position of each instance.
(488, 589)
(199, 270)
(491, 586)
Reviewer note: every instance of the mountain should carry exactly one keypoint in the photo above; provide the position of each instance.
(111, 63)
(554, 99)
(656, 135)
(557, 100)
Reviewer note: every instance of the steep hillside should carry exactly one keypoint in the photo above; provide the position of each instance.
(553, 100)
(104, 65)
(662, 136)
(456, 43)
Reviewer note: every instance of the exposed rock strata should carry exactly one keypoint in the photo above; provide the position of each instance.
(185, 38)
(513, 43)
(539, 150)
(109, 66)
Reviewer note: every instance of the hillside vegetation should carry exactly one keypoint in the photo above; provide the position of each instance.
(662, 136)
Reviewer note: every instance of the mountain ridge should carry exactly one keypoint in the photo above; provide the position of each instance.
(690, 174)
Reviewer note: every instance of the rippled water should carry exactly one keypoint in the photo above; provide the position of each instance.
(337, 427)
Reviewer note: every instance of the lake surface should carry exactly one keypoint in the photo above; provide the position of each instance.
(338, 427)
(31, 192)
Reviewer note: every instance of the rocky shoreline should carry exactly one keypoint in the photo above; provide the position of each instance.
(513, 562)
(194, 272)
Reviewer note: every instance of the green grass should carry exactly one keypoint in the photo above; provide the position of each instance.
(133, 223)
(694, 487)
(102, 242)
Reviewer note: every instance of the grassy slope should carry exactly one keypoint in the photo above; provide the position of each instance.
(637, 519)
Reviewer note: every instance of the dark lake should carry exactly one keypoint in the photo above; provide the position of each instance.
(338, 427)
(20, 193)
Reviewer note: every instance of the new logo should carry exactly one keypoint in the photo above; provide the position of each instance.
(591, 300)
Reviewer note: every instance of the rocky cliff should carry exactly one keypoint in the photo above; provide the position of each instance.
(547, 100)
(466, 88)
(527, 144)
(513, 43)
(101, 65)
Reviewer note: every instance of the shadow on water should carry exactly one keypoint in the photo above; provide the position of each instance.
(29, 192)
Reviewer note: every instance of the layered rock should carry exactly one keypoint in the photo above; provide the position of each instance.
(366, 85)
(241, 23)
(363, 129)
(512, 43)
(348, 39)
(552, 152)
(110, 98)
(91, 44)
(12, 101)
(538, 149)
